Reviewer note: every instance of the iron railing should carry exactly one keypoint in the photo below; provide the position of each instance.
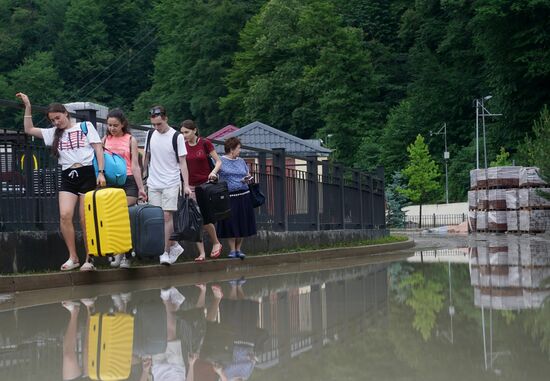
(433, 220)
(302, 193)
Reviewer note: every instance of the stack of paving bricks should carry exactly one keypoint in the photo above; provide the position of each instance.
(510, 272)
(508, 198)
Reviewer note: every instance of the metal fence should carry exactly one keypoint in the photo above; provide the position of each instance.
(302, 193)
(434, 220)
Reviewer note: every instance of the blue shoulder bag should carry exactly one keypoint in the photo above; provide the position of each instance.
(115, 165)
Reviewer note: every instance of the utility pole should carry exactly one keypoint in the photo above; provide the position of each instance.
(480, 106)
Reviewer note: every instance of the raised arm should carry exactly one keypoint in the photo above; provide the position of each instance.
(30, 129)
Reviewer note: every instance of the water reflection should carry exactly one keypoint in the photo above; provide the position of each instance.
(474, 313)
(222, 331)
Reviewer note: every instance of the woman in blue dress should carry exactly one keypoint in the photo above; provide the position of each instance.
(242, 222)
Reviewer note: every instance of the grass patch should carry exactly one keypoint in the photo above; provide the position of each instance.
(363, 242)
(148, 262)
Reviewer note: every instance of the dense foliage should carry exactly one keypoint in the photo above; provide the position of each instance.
(371, 74)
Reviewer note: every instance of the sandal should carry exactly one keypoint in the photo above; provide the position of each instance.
(216, 253)
(70, 265)
(70, 305)
(200, 259)
(217, 291)
(88, 266)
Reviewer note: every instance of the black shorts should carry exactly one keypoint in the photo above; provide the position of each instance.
(78, 180)
(130, 187)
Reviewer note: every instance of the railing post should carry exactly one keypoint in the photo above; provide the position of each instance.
(262, 170)
(327, 190)
(279, 168)
(88, 115)
(371, 201)
(380, 174)
(313, 192)
(357, 177)
(339, 172)
(433, 220)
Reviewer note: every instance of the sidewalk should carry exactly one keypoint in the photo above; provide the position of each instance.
(28, 282)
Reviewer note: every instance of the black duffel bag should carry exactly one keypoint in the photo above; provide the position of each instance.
(213, 200)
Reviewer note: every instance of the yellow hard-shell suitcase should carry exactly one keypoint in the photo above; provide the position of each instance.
(107, 222)
(110, 343)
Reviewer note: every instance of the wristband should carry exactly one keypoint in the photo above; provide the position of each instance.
(101, 171)
(27, 116)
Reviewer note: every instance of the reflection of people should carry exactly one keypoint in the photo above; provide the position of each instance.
(242, 315)
(169, 366)
(75, 152)
(71, 369)
(198, 152)
(164, 167)
(242, 222)
(204, 365)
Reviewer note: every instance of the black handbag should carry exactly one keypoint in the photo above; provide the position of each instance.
(256, 195)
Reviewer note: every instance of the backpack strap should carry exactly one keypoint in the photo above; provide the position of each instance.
(175, 144)
(84, 128)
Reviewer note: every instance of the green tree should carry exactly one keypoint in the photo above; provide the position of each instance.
(538, 146)
(422, 175)
(502, 159)
(194, 57)
(82, 51)
(303, 71)
(396, 201)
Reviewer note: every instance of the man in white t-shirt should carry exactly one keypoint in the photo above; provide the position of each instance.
(164, 167)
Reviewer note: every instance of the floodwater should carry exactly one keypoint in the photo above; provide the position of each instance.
(456, 309)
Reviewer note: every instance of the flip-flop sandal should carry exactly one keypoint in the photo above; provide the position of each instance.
(200, 259)
(70, 305)
(88, 266)
(218, 289)
(216, 253)
(69, 265)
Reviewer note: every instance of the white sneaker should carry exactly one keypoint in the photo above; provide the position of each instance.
(117, 301)
(175, 251)
(173, 295)
(115, 261)
(165, 259)
(125, 263)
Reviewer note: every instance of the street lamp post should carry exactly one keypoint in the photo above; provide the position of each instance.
(480, 106)
(446, 157)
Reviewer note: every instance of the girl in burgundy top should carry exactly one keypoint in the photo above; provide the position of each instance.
(199, 152)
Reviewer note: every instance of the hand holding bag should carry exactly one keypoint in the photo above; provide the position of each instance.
(187, 221)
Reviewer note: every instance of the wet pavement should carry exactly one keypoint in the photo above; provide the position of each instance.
(457, 308)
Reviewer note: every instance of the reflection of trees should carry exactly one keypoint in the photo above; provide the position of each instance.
(537, 324)
(426, 299)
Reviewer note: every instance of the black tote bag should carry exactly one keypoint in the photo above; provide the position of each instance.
(256, 195)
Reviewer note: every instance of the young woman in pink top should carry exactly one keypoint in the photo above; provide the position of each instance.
(119, 140)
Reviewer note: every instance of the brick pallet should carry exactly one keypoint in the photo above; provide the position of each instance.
(508, 199)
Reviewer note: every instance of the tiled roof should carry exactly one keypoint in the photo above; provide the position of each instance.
(260, 135)
(222, 132)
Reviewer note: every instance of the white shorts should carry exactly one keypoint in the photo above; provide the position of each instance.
(166, 198)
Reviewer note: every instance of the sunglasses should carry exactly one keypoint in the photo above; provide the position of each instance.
(156, 111)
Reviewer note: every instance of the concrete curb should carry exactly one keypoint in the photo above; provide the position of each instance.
(29, 282)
